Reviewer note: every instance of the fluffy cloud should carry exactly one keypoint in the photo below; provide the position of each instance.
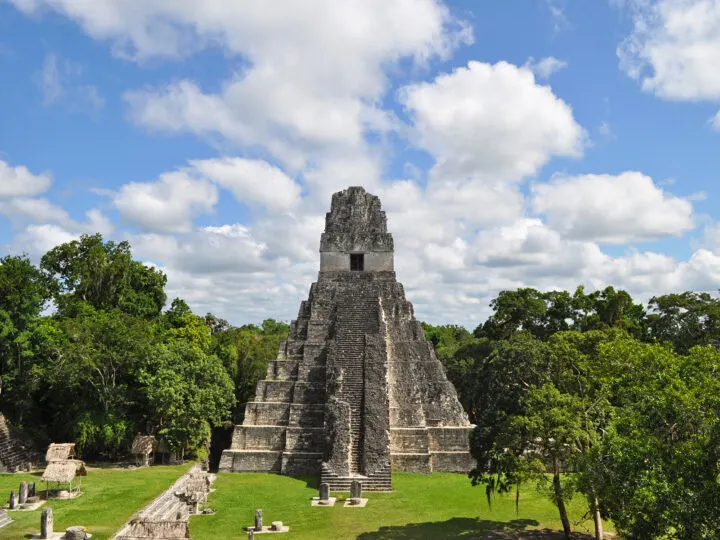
(673, 48)
(36, 240)
(307, 105)
(375, 28)
(36, 210)
(613, 209)
(39, 214)
(20, 182)
(252, 181)
(167, 205)
(491, 121)
(311, 96)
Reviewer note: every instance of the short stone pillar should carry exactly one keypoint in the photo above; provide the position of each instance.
(12, 503)
(23, 493)
(31, 489)
(355, 489)
(75, 533)
(251, 533)
(324, 492)
(258, 520)
(46, 523)
(277, 526)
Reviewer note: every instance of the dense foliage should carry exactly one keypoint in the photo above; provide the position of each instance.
(588, 393)
(108, 363)
(594, 393)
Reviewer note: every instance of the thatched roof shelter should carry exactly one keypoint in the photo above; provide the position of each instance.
(64, 472)
(60, 452)
(143, 445)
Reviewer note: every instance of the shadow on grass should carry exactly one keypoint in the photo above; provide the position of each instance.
(466, 528)
(312, 482)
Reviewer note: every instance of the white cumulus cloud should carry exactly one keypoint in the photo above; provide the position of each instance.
(674, 47)
(251, 181)
(18, 181)
(492, 121)
(167, 205)
(628, 207)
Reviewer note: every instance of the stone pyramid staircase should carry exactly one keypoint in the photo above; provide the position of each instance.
(357, 316)
(283, 426)
(16, 453)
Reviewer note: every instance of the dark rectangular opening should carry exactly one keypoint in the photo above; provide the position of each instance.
(357, 262)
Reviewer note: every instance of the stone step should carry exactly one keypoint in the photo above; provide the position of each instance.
(4, 518)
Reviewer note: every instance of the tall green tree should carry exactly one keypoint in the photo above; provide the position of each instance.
(104, 275)
(685, 320)
(188, 391)
(24, 293)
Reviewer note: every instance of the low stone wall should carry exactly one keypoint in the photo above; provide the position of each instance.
(166, 517)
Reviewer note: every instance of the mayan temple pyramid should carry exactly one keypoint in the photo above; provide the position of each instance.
(356, 391)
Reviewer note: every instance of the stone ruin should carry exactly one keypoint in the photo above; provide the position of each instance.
(16, 451)
(356, 391)
(167, 516)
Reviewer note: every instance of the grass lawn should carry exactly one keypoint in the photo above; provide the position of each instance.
(437, 506)
(110, 497)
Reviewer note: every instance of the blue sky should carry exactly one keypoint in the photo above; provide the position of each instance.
(537, 143)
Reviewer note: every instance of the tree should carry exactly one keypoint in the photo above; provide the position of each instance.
(685, 319)
(543, 408)
(546, 313)
(188, 391)
(179, 322)
(551, 429)
(657, 467)
(24, 293)
(245, 352)
(91, 389)
(104, 275)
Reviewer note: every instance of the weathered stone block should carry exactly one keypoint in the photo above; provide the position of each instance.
(356, 489)
(267, 414)
(409, 440)
(304, 439)
(306, 415)
(301, 463)
(282, 370)
(309, 393)
(259, 438)
(274, 391)
(255, 460)
(458, 462)
(415, 463)
(450, 438)
(46, 522)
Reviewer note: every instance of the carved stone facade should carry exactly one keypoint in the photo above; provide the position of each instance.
(356, 391)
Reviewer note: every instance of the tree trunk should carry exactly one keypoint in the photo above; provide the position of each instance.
(559, 500)
(595, 507)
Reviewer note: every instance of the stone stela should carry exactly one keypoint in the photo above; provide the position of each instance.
(356, 391)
